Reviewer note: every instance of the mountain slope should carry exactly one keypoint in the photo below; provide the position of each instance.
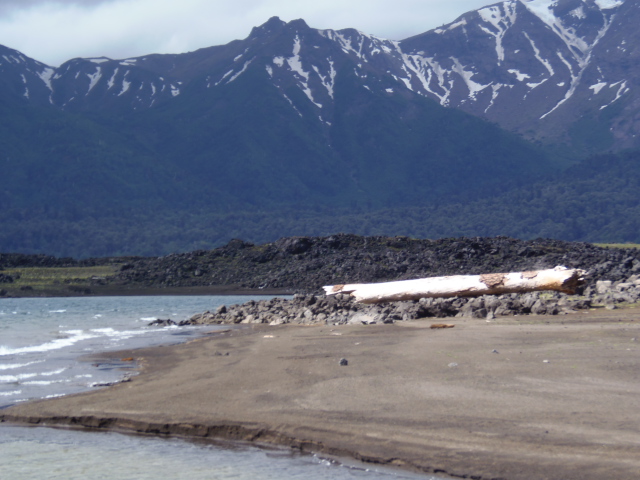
(288, 115)
(559, 70)
(295, 130)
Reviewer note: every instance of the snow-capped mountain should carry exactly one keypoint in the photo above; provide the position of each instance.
(554, 70)
(546, 68)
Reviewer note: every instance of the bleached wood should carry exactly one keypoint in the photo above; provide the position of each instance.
(559, 279)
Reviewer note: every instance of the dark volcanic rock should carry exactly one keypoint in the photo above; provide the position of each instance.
(302, 265)
(305, 264)
(162, 323)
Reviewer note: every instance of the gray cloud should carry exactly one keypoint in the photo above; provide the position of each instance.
(53, 31)
(9, 6)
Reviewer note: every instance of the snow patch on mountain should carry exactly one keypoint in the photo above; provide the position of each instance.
(302, 76)
(26, 87)
(576, 45)
(622, 89)
(500, 21)
(295, 62)
(94, 78)
(519, 75)
(125, 85)
(346, 43)
(328, 80)
(244, 69)
(536, 53)
(578, 13)
(46, 76)
(112, 80)
(467, 76)
(577, 77)
(224, 77)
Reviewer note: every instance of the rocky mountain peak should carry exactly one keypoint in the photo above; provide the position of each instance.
(271, 26)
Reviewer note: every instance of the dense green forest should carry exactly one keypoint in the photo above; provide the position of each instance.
(597, 200)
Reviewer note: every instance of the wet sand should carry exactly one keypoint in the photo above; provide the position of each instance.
(532, 397)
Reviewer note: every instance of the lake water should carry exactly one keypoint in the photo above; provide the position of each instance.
(41, 340)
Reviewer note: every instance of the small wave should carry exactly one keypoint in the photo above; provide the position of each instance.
(8, 394)
(12, 366)
(42, 382)
(24, 376)
(72, 336)
(56, 395)
(104, 331)
(16, 378)
(148, 319)
(57, 311)
(110, 332)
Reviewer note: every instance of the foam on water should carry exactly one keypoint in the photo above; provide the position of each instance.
(74, 336)
(12, 366)
(16, 378)
(10, 393)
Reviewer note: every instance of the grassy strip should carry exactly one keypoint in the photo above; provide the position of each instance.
(43, 280)
(617, 245)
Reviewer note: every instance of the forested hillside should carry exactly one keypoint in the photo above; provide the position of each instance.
(596, 201)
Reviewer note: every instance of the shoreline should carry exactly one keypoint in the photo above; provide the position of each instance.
(126, 290)
(521, 398)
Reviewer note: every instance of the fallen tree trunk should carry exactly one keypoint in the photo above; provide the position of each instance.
(560, 279)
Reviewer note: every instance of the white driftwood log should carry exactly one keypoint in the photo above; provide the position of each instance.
(560, 279)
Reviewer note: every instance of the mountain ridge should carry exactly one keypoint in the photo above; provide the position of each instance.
(560, 62)
(295, 130)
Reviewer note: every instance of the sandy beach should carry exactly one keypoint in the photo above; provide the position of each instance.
(531, 397)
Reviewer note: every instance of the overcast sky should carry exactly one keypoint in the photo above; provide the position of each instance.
(53, 31)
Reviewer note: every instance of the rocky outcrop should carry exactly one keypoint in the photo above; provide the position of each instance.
(342, 309)
(302, 265)
(305, 264)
